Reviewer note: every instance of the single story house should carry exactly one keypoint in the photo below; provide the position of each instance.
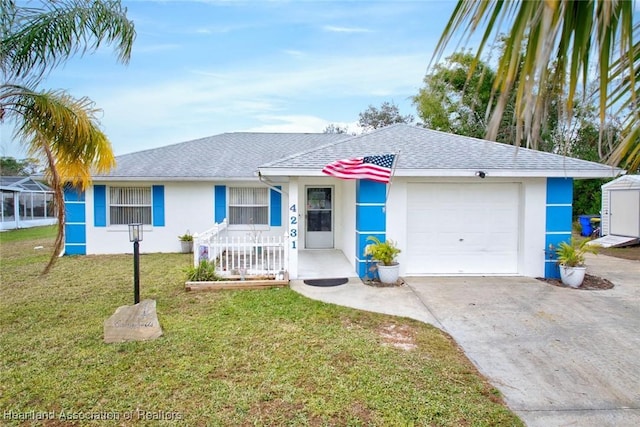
(25, 202)
(455, 205)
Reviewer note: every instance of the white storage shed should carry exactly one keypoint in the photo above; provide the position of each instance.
(621, 207)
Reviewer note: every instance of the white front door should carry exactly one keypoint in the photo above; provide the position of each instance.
(319, 218)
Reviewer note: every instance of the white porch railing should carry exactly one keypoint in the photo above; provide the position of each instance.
(241, 255)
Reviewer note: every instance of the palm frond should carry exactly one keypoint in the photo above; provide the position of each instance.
(571, 34)
(38, 39)
(68, 127)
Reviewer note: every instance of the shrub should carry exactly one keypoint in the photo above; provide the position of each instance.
(204, 272)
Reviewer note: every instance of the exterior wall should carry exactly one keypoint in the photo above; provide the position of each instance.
(559, 211)
(359, 211)
(533, 211)
(186, 206)
(348, 208)
(371, 219)
(75, 224)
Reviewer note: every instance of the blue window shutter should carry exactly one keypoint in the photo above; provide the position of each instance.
(100, 205)
(157, 192)
(276, 208)
(220, 203)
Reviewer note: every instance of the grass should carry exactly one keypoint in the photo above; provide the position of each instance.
(265, 357)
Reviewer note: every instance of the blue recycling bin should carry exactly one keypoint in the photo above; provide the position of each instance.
(586, 225)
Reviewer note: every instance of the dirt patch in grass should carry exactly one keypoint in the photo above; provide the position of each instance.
(398, 336)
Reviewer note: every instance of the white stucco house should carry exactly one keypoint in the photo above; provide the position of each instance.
(455, 205)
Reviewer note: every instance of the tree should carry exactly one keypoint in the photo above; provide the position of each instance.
(54, 126)
(388, 114)
(333, 128)
(572, 35)
(456, 97)
(12, 167)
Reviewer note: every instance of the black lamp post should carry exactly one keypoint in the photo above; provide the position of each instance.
(135, 236)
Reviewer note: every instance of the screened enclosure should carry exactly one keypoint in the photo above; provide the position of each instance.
(25, 202)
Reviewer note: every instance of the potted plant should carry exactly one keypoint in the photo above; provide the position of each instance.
(571, 256)
(385, 253)
(186, 240)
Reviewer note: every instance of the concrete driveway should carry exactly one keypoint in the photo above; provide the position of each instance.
(561, 357)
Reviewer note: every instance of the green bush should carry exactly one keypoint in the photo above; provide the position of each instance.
(587, 196)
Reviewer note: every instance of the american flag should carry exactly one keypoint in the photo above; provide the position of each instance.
(376, 168)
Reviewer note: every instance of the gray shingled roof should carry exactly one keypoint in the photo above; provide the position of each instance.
(229, 155)
(22, 183)
(423, 149)
(423, 152)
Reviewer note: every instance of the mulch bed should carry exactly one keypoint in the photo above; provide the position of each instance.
(590, 283)
(378, 284)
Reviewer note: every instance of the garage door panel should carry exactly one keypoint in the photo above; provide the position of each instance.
(463, 228)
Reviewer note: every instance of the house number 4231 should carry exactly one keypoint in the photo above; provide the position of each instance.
(293, 226)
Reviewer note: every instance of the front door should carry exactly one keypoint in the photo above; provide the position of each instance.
(319, 228)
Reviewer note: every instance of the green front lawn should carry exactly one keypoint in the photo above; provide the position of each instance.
(264, 357)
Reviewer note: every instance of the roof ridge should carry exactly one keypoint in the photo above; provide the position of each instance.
(333, 143)
(306, 152)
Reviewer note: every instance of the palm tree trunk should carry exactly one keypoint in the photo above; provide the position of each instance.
(58, 200)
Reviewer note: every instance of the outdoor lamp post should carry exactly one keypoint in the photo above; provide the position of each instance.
(135, 236)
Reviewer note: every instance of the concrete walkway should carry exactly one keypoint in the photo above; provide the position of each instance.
(560, 357)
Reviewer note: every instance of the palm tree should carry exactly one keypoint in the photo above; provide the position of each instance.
(53, 125)
(571, 35)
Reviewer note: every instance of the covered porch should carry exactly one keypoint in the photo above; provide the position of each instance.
(324, 264)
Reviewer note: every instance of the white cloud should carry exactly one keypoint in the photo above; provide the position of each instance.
(335, 29)
(200, 103)
(294, 53)
(289, 123)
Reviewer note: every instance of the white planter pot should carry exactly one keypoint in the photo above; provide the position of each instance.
(389, 273)
(186, 246)
(572, 276)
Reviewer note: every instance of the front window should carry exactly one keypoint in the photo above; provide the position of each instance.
(128, 205)
(248, 205)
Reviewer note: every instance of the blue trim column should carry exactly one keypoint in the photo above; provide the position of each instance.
(157, 200)
(75, 229)
(219, 203)
(371, 219)
(559, 217)
(275, 207)
(99, 205)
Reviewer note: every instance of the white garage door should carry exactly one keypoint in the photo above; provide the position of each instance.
(462, 228)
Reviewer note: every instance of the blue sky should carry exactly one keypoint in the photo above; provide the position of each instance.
(200, 68)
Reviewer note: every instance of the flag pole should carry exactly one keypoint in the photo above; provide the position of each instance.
(393, 171)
